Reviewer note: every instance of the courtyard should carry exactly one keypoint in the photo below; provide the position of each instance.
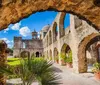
(68, 77)
(50, 42)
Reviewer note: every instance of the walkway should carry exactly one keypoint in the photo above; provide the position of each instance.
(70, 78)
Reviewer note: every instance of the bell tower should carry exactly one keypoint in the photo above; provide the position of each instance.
(34, 35)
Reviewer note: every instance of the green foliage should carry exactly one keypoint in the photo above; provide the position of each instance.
(13, 61)
(63, 57)
(69, 58)
(56, 58)
(96, 67)
(10, 50)
(50, 58)
(33, 69)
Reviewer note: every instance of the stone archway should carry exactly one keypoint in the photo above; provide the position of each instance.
(61, 24)
(47, 41)
(50, 38)
(55, 32)
(11, 11)
(65, 48)
(50, 53)
(66, 53)
(25, 54)
(86, 42)
(56, 54)
(98, 50)
(37, 54)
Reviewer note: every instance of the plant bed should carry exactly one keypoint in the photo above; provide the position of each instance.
(96, 70)
(57, 60)
(69, 65)
(63, 59)
(69, 60)
(97, 75)
(63, 63)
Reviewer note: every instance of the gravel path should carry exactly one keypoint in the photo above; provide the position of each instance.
(70, 78)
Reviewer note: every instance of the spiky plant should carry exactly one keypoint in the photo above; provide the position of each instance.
(36, 69)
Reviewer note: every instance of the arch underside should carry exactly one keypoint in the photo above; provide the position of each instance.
(11, 11)
(87, 41)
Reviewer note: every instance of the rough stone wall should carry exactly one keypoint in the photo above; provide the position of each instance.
(11, 11)
(3, 60)
(32, 46)
(74, 35)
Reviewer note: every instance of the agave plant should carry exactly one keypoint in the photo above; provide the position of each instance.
(37, 69)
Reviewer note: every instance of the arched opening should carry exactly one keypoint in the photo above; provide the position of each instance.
(23, 45)
(56, 57)
(37, 54)
(50, 53)
(47, 41)
(88, 52)
(98, 50)
(66, 55)
(25, 54)
(50, 38)
(55, 31)
(64, 22)
(65, 48)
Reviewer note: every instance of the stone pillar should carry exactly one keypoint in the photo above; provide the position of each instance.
(59, 44)
(3, 60)
(74, 44)
(52, 46)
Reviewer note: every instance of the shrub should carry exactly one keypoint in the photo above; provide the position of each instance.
(96, 67)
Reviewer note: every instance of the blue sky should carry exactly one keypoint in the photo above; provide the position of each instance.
(24, 27)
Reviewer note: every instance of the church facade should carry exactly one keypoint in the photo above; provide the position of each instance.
(28, 47)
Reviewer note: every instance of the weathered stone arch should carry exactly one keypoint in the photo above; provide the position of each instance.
(11, 11)
(61, 24)
(50, 54)
(56, 53)
(47, 41)
(98, 50)
(82, 60)
(54, 31)
(3, 60)
(50, 37)
(25, 54)
(65, 48)
(37, 54)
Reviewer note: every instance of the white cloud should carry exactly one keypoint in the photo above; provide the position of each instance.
(25, 31)
(5, 30)
(16, 26)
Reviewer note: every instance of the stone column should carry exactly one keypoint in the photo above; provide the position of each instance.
(3, 60)
(74, 44)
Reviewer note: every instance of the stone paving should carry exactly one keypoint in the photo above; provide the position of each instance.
(70, 78)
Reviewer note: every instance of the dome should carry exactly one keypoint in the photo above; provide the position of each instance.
(45, 28)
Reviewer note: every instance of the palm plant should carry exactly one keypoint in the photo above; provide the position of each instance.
(37, 69)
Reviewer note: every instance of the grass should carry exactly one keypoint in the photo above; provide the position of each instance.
(13, 61)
